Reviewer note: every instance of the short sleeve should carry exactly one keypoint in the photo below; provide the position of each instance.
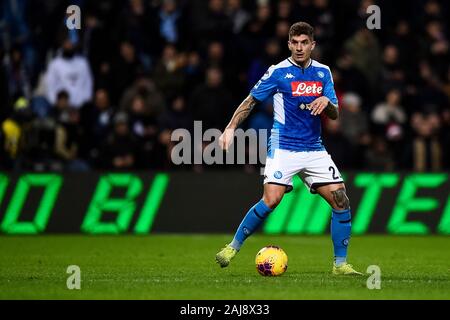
(266, 86)
(329, 87)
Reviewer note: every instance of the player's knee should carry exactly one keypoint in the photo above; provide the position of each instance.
(272, 200)
(341, 200)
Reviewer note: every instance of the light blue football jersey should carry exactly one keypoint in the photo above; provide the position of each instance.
(293, 88)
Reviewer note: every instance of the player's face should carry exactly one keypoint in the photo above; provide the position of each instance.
(301, 47)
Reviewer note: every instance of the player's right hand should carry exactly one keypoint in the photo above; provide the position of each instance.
(226, 139)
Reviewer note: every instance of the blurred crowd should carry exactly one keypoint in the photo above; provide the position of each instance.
(109, 95)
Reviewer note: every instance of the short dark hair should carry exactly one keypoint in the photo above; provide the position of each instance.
(299, 28)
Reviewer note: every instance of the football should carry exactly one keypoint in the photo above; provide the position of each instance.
(271, 261)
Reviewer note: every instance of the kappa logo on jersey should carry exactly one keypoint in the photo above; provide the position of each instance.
(306, 88)
(289, 76)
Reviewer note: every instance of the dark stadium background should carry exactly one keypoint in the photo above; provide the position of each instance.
(141, 69)
(159, 65)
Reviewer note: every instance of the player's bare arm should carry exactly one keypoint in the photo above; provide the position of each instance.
(332, 111)
(323, 104)
(239, 116)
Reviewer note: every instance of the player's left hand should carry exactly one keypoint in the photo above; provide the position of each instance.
(318, 105)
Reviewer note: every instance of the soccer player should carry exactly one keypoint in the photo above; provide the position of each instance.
(302, 89)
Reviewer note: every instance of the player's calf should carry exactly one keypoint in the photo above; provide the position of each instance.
(341, 218)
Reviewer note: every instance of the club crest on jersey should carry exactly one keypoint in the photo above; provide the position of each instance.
(306, 88)
(320, 74)
(278, 175)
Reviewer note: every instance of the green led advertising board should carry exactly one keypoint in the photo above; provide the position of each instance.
(144, 203)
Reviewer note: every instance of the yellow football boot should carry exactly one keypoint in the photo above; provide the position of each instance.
(345, 269)
(225, 255)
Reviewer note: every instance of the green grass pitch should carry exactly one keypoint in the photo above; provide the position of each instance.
(183, 267)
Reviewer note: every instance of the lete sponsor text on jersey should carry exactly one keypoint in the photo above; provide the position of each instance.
(306, 88)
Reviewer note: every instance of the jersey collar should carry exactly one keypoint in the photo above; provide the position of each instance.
(307, 66)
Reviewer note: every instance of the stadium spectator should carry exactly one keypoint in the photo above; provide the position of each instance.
(12, 134)
(214, 24)
(281, 34)
(145, 88)
(168, 74)
(324, 29)
(211, 102)
(237, 15)
(351, 79)
(379, 157)
(18, 75)
(62, 104)
(284, 11)
(429, 90)
(337, 144)
(95, 45)
(403, 39)
(138, 25)
(389, 119)
(70, 72)
(432, 10)
(176, 117)
(68, 139)
(126, 68)
(193, 71)
(435, 46)
(355, 125)
(365, 50)
(119, 149)
(216, 58)
(393, 71)
(144, 127)
(425, 151)
(5, 97)
(39, 145)
(96, 120)
(389, 116)
(169, 19)
(258, 29)
(15, 31)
